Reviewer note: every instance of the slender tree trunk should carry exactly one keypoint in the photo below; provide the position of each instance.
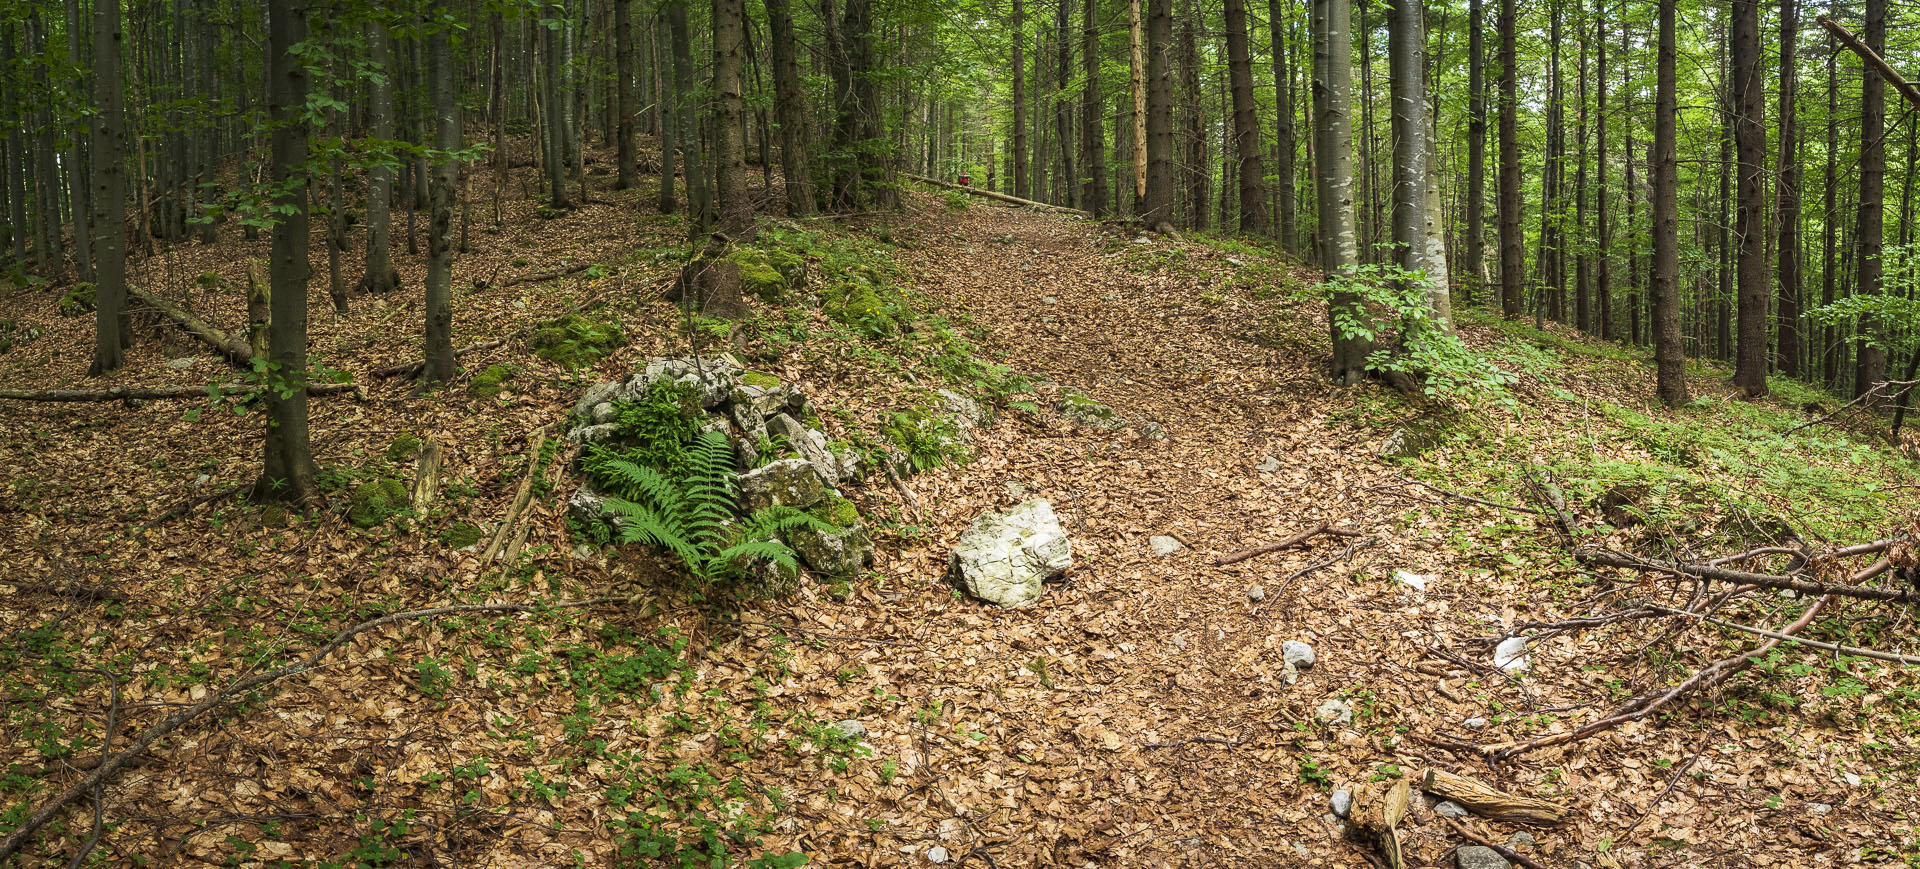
(46, 173)
(1158, 212)
(1583, 269)
(1137, 89)
(790, 107)
(1603, 291)
(1476, 149)
(1063, 104)
(1669, 358)
(1829, 344)
(623, 94)
(1787, 210)
(1021, 186)
(730, 146)
(1512, 275)
(687, 126)
(1333, 85)
(667, 201)
(1093, 152)
(112, 326)
(498, 97)
(380, 276)
(1285, 147)
(78, 171)
(439, 366)
(288, 471)
(1750, 139)
(1246, 124)
(1194, 141)
(1870, 359)
(556, 98)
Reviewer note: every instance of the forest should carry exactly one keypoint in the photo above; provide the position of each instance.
(989, 432)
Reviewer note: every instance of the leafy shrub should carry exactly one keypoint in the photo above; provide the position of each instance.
(928, 440)
(404, 448)
(460, 535)
(956, 201)
(655, 431)
(1389, 308)
(377, 500)
(576, 341)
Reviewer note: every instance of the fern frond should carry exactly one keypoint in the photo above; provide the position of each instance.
(771, 550)
(769, 521)
(640, 523)
(639, 483)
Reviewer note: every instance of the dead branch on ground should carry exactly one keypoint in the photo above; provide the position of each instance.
(1289, 543)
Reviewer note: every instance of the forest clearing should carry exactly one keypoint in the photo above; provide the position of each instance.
(651, 433)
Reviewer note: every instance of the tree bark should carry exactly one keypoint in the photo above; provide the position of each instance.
(1333, 84)
(1246, 125)
(1476, 149)
(1669, 357)
(1093, 150)
(1158, 213)
(1020, 180)
(555, 102)
(1787, 209)
(1194, 142)
(446, 139)
(1603, 289)
(1063, 105)
(667, 201)
(1284, 147)
(380, 276)
(729, 116)
(1870, 359)
(1512, 274)
(790, 108)
(288, 470)
(1750, 141)
(623, 94)
(112, 326)
(1137, 88)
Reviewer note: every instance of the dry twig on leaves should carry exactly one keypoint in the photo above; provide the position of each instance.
(520, 497)
(1877, 392)
(1289, 543)
(1504, 851)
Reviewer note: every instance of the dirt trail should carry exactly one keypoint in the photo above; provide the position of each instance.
(1159, 654)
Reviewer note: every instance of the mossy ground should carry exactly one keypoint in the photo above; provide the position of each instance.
(577, 341)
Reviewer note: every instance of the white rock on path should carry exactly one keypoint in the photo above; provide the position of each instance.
(1511, 654)
(1409, 578)
(1163, 545)
(1003, 558)
(1334, 711)
(1479, 857)
(1297, 654)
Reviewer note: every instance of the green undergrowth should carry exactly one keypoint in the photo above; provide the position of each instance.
(577, 340)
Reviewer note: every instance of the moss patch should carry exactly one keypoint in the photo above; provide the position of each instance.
(767, 273)
(837, 510)
(460, 535)
(490, 382)
(404, 448)
(764, 381)
(77, 301)
(376, 501)
(575, 341)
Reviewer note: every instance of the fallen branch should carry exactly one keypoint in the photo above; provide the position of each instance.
(997, 197)
(233, 349)
(163, 393)
(1504, 851)
(1491, 802)
(112, 763)
(1289, 543)
(1690, 570)
(913, 504)
(1208, 740)
(77, 592)
(1878, 391)
(1890, 657)
(520, 497)
(1671, 784)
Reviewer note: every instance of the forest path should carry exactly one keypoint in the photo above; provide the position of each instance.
(1172, 648)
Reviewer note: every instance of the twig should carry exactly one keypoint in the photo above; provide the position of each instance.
(1502, 850)
(1853, 589)
(1671, 783)
(1828, 647)
(99, 790)
(77, 592)
(1209, 740)
(184, 505)
(1289, 543)
(1867, 397)
(1344, 553)
(108, 766)
(913, 504)
(520, 497)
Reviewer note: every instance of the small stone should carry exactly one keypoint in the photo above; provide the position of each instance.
(1334, 711)
(181, 364)
(1342, 803)
(1051, 300)
(592, 434)
(201, 480)
(1479, 857)
(587, 506)
(938, 854)
(1474, 723)
(1003, 558)
(1511, 654)
(583, 551)
(851, 728)
(1235, 260)
(602, 413)
(1164, 546)
(1016, 490)
(1450, 809)
(1143, 240)
(1180, 642)
(1520, 839)
(1851, 778)
(1301, 849)
(1297, 654)
(1257, 593)
(1268, 465)
(1819, 808)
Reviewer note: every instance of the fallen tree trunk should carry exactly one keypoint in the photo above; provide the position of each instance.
(234, 350)
(162, 393)
(997, 197)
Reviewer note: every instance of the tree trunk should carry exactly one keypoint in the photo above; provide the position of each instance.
(1870, 359)
(1063, 106)
(790, 107)
(667, 201)
(1246, 124)
(1137, 87)
(112, 326)
(1583, 269)
(1750, 141)
(380, 276)
(1333, 83)
(1020, 180)
(1285, 147)
(288, 471)
(623, 108)
(1093, 153)
(1476, 149)
(556, 98)
(1194, 142)
(1787, 212)
(1157, 215)
(446, 139)
(729, 116)
(79, 171)
(1512, 275)
(1669, 358)
(1603, 290)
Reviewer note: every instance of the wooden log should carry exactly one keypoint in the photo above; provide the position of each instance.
(162, 393)
(233, 349)
(997, 197)
(1489, 802)
(426, 475)
(1378, 808)
(519, 497)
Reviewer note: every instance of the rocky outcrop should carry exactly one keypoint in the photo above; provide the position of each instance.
(841, 553)
(1003, 558)
(785, 483)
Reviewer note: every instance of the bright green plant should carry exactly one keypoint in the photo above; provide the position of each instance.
(1390, 309)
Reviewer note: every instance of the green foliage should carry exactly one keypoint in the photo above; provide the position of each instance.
(1389, 308)
(755, 378)
(577, 341)
(404, 448)
(13, 334)
(957, 201)
(460, 535)
(77, 301)
(837, 512)
(927, 438)
(768, 272)
(490, 382)
(654, 432)
(377, 500)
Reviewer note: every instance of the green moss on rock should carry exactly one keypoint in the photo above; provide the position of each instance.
(575, 341)
(77, 301)
(755, 378)
(460, 535)
(490, 382)
(404, 448)
(838, 511)
(376, 501)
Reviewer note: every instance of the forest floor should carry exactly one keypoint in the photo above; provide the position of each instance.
(1138, 715)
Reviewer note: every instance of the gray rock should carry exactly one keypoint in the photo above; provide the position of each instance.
(592, 434)
(1520, 839)
(201, 480)
(810, 444)
(1852, 779)
(596, 395)
(181, 364)
(766, 578)
(1083, 410)
(1333, 711)
(1257, 593)
(1819, 808)
(1151, 430)
(1395, 446)
(745, 454)
(1474, 723)
(938, 854)
(1297, 654)
(1479, 857)
(747, 418)
(602, 413)
(1164, 546)
(841, 553)
(587, 505)
(967, 415)
(1511, 654)
(788, 483)
(1268, 465)
(1449, 809)
(1180, 642)
(851, 470)
(1143, 240)
(1002, 558)
(1342, 802)
(851, 728)
(712, 379)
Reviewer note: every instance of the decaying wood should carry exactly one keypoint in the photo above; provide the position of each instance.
(162, 393)
(1852, 588)
(1288, 543)
(519, 498)
(1378, 808)
(997, 197)
(234, 350)
(259, 307)
(1504, 851)
(426, 475)
(1488, 801)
